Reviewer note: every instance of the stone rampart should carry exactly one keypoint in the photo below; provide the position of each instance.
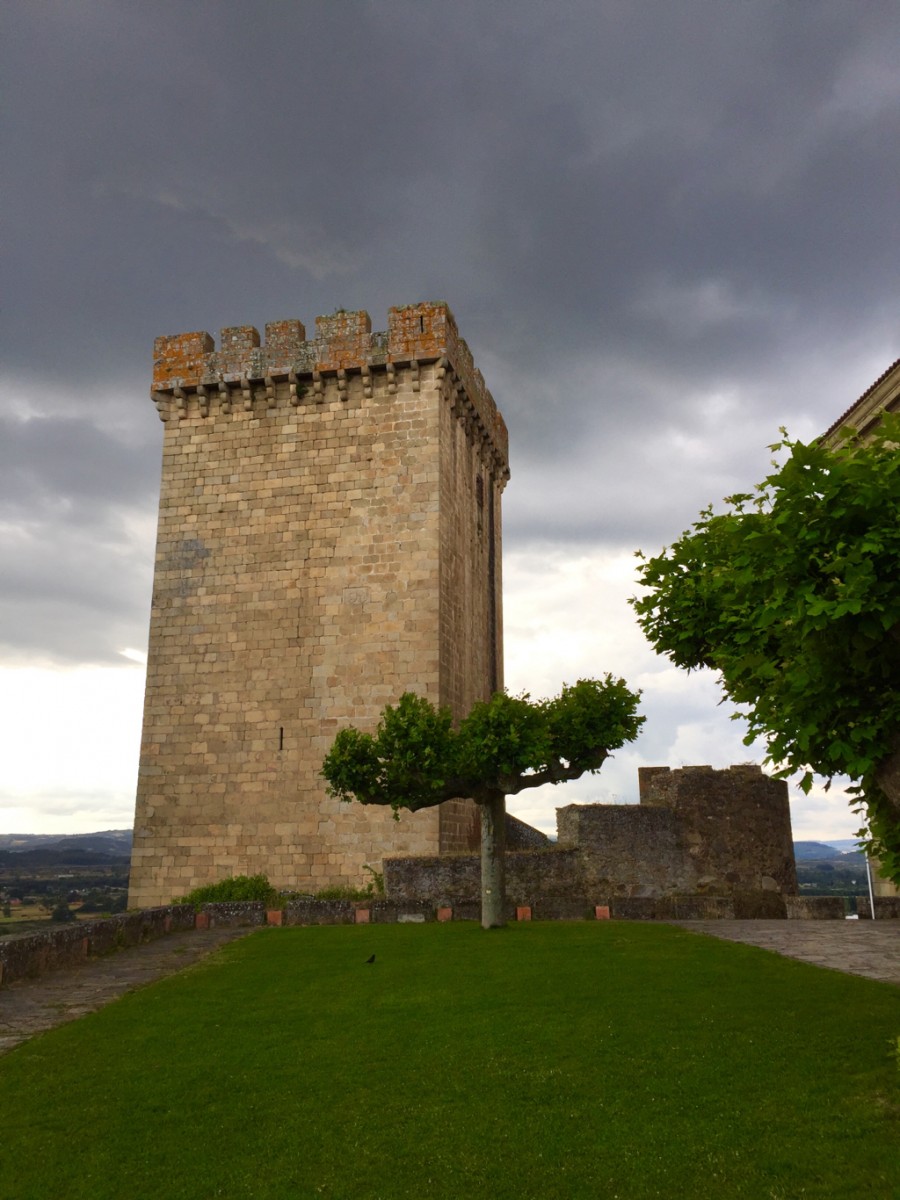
(696, 832)
(28, 955)
(454, 878)
(736, 823)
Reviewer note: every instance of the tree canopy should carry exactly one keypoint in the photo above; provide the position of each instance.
(417, 758)
(793, 596)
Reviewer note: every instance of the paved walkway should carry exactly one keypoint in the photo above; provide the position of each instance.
(32, 1006)
(870, 948)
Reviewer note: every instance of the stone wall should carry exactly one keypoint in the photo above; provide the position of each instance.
(696, 832)
(28, 955)
(736, 822)
(886, 908)
(329, 537)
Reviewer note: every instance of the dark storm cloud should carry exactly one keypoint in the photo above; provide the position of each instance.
(66, 463)
(665, 229)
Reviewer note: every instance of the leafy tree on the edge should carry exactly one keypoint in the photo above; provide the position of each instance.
(793, 596)
(416, 758)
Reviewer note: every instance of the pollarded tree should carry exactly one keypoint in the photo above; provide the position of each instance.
(793, 596)
(416, 758)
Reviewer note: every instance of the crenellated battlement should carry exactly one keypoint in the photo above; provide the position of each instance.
(243, 367)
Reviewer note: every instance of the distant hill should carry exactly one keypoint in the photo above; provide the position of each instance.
(845, 850)
(846, 844)
(804, 850)
(62, 849)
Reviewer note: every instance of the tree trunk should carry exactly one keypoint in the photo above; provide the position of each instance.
(493, 862)
(887, 777)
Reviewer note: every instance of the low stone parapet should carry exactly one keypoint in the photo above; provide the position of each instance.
(815, 908)
(886, 908)
(29, 955)
(671, 908)
(234, 913)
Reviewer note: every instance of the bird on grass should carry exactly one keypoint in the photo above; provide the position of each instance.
(371, 958)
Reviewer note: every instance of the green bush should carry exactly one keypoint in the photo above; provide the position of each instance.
(238, 889)
(373, 889)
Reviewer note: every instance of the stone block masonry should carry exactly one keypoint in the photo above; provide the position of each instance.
(697, 834)
(329, 537)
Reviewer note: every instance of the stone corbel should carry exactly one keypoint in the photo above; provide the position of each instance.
(342, 383)
(292, 383)
(224, 397)
(180, 401)
(318, 387)
(391, 378)
(366, 371)
(270, 392)
(203, 399)
(247, 393)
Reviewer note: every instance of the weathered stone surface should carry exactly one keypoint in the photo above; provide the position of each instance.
(29, 955)
(231, 915)
(886, 908)
(737, 821)
(816, 908)
(329, 537)
(696, 833)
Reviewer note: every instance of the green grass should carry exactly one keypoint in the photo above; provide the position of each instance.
(543, 1061)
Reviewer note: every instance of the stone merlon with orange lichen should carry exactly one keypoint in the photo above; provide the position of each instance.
(344, 344)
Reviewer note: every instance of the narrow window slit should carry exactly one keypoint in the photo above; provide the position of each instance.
(281, 738)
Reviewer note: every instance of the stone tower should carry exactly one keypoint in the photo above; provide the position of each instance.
(329, 537)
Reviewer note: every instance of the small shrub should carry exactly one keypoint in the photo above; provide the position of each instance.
(237, 890)
(373, 889)
(375, 886)
(342, 893)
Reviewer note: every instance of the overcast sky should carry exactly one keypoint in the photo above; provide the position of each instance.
(665, 229)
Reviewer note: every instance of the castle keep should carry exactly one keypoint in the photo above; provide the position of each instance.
(329, 537)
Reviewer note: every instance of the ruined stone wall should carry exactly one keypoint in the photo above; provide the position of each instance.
(737, 824)
(628, 850)
(696, 832)
(456, 878)
(302, 543)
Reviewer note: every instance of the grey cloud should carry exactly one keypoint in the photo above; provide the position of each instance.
(665, 230)
(69, 466)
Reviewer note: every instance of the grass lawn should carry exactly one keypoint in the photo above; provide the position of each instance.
(542, 1061)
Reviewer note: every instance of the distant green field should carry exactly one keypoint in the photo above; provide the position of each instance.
(538, 1062)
